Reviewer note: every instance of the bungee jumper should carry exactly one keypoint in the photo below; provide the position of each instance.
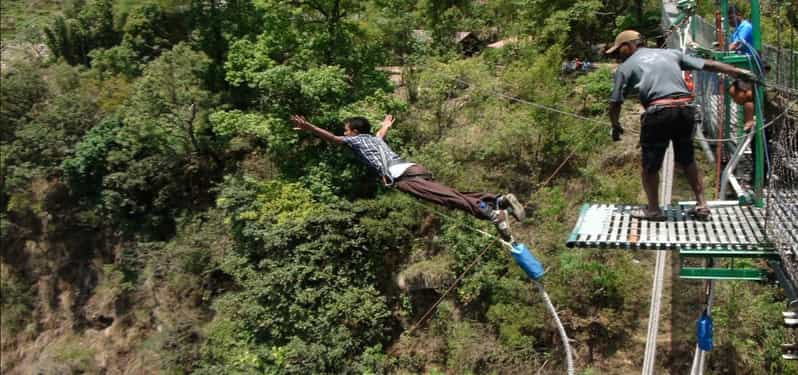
(669, 114)
(742, 93)
(413, 178)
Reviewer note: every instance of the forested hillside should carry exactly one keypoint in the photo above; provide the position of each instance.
(160, 215)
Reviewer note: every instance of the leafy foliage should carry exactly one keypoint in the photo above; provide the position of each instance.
(597, 87)
(23, 88)
(301, 266)
(92, 27)
(46, 120)
(84, 172)
(156, 115)
(16, 301)
(170, 101)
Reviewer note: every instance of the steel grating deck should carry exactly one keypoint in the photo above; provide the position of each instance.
(735, 230)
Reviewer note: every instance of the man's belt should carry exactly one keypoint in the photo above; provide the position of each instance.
(670, 102)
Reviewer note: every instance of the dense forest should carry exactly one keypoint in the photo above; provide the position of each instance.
(160, 215)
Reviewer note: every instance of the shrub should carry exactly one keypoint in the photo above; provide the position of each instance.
(16, 302)
(305, 271)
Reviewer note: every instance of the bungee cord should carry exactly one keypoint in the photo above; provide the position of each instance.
(539, 285)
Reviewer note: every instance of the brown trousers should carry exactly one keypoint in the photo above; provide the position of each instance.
(417, 181)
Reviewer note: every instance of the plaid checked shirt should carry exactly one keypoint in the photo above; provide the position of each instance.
(367, 147)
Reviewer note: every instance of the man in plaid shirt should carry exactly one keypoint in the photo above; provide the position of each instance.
(413, 178)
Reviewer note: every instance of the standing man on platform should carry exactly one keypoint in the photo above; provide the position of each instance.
(669, 115)
(742, 40)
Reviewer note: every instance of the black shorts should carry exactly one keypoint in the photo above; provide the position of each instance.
(662, 124)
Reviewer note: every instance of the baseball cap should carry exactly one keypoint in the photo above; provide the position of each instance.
(624, 37)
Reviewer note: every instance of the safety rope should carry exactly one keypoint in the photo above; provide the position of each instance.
(606, 123)
(495, 239)
(549, 305)
(538, 105)
(569, 361)
(665, 195)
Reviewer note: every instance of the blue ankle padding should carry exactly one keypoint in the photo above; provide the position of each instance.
(704, 332)
(527, 261)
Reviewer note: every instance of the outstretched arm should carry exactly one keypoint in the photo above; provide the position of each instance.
(387, 122)
(300, 123)
(719, 67)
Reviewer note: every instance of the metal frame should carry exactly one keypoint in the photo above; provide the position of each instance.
(759, 96)
(742, 61)
(701, 273)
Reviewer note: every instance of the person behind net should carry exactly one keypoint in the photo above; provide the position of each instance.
(742, 40)
(742, 93)
(669, 115)
(413, 178)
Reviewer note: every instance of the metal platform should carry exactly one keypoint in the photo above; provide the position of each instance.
(733, 231)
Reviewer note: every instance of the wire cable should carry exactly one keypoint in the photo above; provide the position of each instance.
(740, 138)
(546, 299)
(606, 123)
(451, 287)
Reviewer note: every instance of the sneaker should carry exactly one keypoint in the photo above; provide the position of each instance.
(499, 219)
(511, 203)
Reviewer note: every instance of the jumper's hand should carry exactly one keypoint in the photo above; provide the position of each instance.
(616, 132)
(300, 123)
(388, 121)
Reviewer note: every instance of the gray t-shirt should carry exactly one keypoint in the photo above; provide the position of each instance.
(655, 73)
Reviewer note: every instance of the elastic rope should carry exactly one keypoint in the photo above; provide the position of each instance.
(569, 361)
(549, 305)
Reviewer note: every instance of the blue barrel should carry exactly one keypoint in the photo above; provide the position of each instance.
(704, 332)
(527, 261)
